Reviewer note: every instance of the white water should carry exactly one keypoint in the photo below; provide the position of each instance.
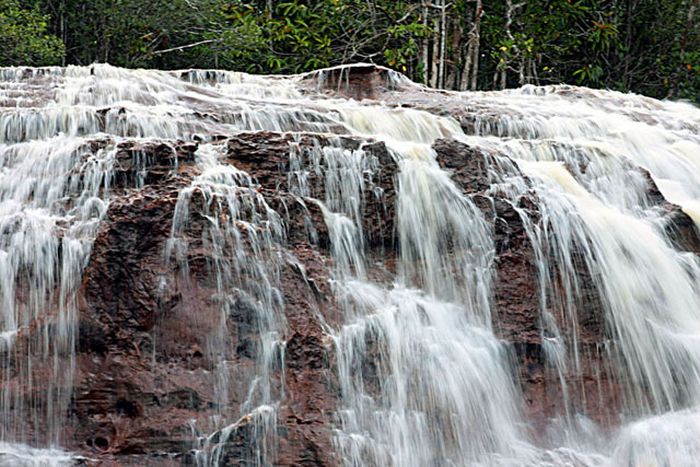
(423, 378)
(241, 235)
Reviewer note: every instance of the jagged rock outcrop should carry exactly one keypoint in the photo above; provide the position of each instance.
(143, 374)
(147, 381)
(518, 307)
(142, 371)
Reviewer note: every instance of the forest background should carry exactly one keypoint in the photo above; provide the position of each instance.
(650, 47)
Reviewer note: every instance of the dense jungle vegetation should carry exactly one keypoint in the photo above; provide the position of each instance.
(646, 46)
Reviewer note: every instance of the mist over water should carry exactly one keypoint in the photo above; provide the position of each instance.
(422, 376)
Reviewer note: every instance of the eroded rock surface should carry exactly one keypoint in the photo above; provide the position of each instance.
(145, 384)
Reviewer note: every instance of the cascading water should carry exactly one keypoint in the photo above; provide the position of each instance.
(241, 238)
(421, 374)
(51, 203)
(590, 161)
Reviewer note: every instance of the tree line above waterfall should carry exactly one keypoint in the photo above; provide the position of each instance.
(647, 46)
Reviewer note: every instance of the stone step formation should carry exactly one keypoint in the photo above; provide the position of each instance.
(204, 267)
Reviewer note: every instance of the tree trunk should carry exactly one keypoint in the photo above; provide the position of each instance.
(436, 54)
(443, 37)
(477, 40)
(467, 62)
(510, 11)
(628, 40)
(62, 29)
(425, 52)
(452, 82)
(504, 54)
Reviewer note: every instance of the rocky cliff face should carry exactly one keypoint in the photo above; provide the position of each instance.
(146, 384)
(143, 375)
(142, 370)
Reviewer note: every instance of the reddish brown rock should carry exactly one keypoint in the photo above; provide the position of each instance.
(143, 374)
(143, 371)
(144, 379)
(518, 309)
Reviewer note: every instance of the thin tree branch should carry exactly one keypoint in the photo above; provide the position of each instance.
(183, 47)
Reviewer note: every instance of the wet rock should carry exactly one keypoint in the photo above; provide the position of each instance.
(681, 229)
(148, 163)
(143, 372)
(362, 81)
(518, 310)
(679, 226)
(266, 157)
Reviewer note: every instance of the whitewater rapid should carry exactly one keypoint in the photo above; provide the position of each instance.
(445, 390)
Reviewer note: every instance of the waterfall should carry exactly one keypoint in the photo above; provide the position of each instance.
(52, 200)
(421, 369)
(240, 222)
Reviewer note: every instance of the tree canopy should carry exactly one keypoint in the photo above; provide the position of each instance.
(647, 46)
(24, 37)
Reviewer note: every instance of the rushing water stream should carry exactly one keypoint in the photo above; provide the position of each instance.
(443, 389)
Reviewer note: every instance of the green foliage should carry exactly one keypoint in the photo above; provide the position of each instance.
(618, 44)
(589, 74)
(648, 46)
(689, 79)
(299, 36)
(23, 37)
